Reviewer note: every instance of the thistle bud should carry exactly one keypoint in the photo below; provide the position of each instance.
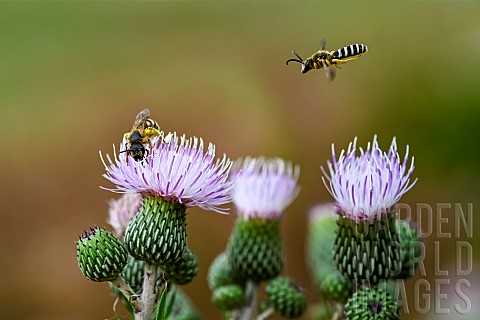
(371, 304)
(220, 274)
(228, 297)
(101, 256)
(286, 297)
(337, 287)
(184, 270)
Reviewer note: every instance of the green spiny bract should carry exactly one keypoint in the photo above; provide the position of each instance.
(101, 256)
(364, 251)
(158, 233)
(255, 249)
(411, 249)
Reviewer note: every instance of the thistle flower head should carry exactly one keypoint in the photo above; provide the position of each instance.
(122, 211)
(264, 187)
(368, 185)
(176, 168)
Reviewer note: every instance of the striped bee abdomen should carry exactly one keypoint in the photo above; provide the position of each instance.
(350, 51)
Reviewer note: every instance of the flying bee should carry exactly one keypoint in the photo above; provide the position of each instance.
(142, 131)
(323, 59)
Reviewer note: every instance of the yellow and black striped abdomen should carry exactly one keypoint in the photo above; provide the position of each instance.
(349, 51)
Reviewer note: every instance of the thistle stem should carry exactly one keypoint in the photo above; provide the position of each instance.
(128, 292)
(266, 314)
(149, 293)
(338, 314)
(249, 311)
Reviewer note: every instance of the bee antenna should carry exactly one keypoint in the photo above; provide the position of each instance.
(299, 60)
(124, 151)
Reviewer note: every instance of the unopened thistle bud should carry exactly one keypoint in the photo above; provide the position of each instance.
(101, 256)
(229, 297)
(367, 304)
(286, 297)
(184, 270)
(337, 287)
(133, 274)
(220, 274)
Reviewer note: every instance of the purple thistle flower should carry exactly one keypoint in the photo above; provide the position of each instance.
(122, 211)
(177, 169)
(367, 186)
(264, 187)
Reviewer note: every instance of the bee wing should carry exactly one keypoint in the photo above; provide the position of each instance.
(141, 118)
(330, 71)
(323, 43)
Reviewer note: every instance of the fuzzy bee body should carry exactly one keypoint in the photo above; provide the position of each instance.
(324, 59)
(142, 131)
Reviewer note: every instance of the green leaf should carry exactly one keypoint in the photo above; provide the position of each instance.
(162, 305)
(171, 303)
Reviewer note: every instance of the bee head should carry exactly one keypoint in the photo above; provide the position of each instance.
(137, 151)
(307, 65)
(150, 123)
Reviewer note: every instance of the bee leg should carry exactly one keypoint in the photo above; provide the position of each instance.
(151, 132)
(146, 155)
(126, 150)
(342, 61)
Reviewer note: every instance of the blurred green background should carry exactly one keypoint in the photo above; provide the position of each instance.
(73, 75)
